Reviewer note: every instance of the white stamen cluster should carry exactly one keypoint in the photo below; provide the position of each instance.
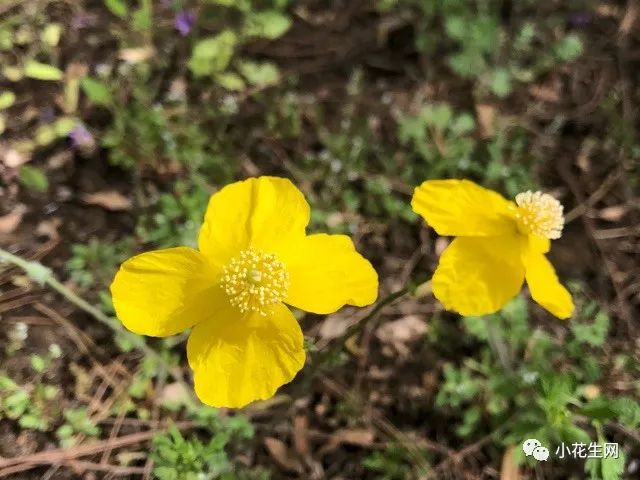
(540, 214)
(255, 280)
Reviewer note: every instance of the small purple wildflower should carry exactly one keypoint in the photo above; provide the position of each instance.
(579, 19)
(185, 21)
(81, 137)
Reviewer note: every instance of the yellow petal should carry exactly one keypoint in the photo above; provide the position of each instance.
(477, 276)
(463, 208)
(539, 244)
(238, 359)
(545, 287)
(163, 292)
(326, 273)
(265, 213)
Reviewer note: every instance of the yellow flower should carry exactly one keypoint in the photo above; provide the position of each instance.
(499, 244)
(253, 258)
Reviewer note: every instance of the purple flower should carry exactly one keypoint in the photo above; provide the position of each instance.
(184, 22)
(81, 137)
(579, 19)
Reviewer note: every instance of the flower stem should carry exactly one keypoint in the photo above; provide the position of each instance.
(498, 345)
(356, 328)
(44, 276)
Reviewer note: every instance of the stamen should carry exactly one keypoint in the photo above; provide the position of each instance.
(539, 214)
(255, 280)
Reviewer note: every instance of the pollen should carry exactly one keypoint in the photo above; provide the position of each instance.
(539, 214)
(254, 281)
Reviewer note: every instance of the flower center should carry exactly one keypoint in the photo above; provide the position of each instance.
(539, 214)
(255, 280)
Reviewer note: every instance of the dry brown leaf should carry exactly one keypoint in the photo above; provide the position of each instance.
(613, 214)
(136, 55)
(301, 434)
(334, 326)
(111, 200)
(404, 330)
(486, 117)
(11, 221)
(362, 437)
(547, 92)
(509, 469)
(174, 393)
(49, 228)
(281, 454)
(13, 158)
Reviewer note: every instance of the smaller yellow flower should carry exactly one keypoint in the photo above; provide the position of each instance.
(253, 257)
(499, 244)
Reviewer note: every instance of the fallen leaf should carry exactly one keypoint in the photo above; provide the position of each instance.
(613, 214)
(12, 158)
(301, 434)
(361, 437)
(404, 330)
(549, 92)
(486, 114)
(174, 393)
(136, 55)
(280, 453)
(591, 391)
(111, 200)
(509, 469)
(334, 326)
(11, 221)
(49, 228)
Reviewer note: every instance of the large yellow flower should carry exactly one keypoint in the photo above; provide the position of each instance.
(253, 257)
(499, 244)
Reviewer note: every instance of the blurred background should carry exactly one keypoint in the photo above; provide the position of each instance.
(118, 120)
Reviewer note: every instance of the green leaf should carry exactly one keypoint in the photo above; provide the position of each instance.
(97, 91)
(45, 134)
(42, 71)
(38, 363)
(599, 408)
(64, 125)
(260, 74)
(501, 82)
(33, 178)
(142, 19)
(212, 55)
(117, 7)
(51, 34)
(269, 24)
(569, 48)
(7, 99)
(230, 81)
(613, 468)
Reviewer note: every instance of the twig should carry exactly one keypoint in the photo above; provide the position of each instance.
(357, 328)
(497, 344)
(9, 466)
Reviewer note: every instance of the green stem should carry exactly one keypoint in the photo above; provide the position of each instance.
(356, 328)
(44, 276)
(498, 345)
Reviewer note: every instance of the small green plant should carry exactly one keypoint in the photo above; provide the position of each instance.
(176, 217)
(32, 404)
(77, 422)
(180, 458)
(392, 463)
(479, 48)
(94, 263)
(535, 386)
